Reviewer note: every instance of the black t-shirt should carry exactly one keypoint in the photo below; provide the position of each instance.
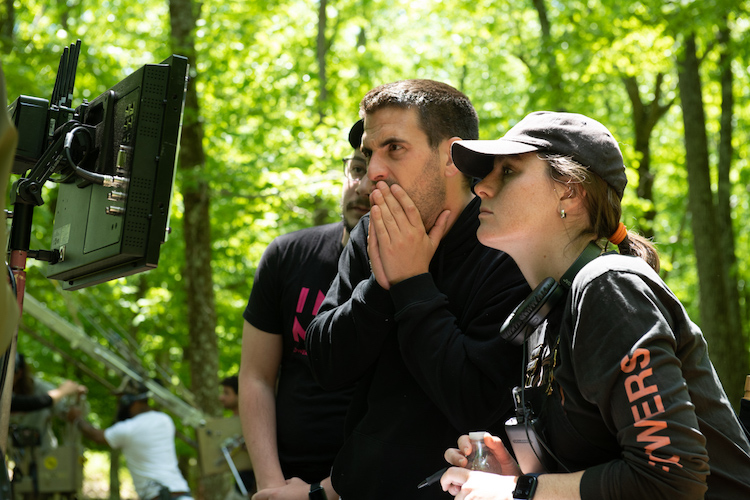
(291, 281)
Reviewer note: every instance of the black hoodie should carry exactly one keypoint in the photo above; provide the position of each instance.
(426, 357)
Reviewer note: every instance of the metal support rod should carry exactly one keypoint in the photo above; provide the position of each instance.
(80, 340)
(18, 266)
(234, 470)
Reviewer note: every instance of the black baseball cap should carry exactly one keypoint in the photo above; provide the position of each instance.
(355, 134)
(584, 139)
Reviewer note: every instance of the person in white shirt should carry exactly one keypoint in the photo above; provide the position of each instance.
(146, 438)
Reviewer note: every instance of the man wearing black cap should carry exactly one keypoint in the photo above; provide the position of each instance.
(412, 316)
(294, 431)
(146, 438)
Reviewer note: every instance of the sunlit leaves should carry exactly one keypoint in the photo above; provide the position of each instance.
(273, 148)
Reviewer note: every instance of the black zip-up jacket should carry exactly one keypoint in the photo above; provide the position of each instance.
(426, 357)
(636, 400)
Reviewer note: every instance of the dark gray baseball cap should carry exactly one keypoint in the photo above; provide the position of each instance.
(584, 139)
(355, 134)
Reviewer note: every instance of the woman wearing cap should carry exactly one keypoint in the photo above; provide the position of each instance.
(619, 377)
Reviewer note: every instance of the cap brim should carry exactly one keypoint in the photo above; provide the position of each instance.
(477, 158)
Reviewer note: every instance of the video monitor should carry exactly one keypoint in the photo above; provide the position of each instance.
(106, 231)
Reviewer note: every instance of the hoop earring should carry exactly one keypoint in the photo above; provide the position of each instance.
(563, 214)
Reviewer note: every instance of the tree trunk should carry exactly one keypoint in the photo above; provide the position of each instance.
(6, 28)
(727, 358)
(202, 349)
(553, 76)
(724, 203)
(645, 118)
(114, 473)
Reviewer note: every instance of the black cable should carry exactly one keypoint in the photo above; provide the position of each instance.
(63, 179)
(68, 145)
(81, 132)
(93, 177)
(4, 375)
(12, 280)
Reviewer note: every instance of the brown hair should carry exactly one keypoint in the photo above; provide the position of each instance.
(231, 382)
(443, 111)
(602, 205)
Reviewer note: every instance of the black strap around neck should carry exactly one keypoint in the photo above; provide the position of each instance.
(589, 253)
(532, 311)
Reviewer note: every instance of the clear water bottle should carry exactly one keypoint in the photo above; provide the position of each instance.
(480, 457)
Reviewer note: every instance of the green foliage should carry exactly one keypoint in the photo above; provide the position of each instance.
(273, 148)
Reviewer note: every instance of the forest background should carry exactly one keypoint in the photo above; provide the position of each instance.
(274, 87)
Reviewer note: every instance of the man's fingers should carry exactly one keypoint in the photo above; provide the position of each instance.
(406, 205)
(372, 235)
(373, 251)
(379, 224)
(398, 207)
(385, 215)
(404, 248)
(393, 211)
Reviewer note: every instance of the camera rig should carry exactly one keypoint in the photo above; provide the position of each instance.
(114, 158)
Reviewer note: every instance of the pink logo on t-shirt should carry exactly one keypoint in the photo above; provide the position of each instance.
(298, 332)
